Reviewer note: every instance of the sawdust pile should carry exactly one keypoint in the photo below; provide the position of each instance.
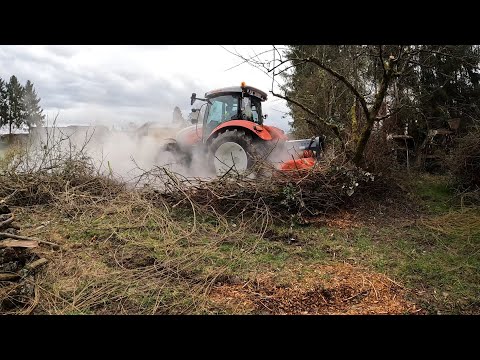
(330, 289)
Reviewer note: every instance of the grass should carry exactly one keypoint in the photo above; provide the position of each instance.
(434, 192)
(129, 257)
(438, 258)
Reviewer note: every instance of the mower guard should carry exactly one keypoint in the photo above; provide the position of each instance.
(304, 153)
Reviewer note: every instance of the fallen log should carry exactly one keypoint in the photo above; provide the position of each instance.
(32, 266)
(19, 237)
(18, 243)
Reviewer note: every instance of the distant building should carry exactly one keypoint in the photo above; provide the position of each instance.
(14, 138)
(76, 133)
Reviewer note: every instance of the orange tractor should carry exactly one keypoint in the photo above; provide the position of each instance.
(233, 136)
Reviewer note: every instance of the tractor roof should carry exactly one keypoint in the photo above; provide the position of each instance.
(237, 89)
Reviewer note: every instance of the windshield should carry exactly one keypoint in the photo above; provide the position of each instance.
(222, 108)
(233, 107)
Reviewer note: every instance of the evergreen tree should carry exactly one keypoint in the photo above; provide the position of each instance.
(3, 103)
(448, 83)
(16, 108)
(323, 94)
(33, 112)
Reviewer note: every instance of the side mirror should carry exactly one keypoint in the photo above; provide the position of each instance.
(193, 98)
(265, 116)
(194, 116)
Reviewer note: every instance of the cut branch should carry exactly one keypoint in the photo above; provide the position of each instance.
(6, 222)
(37, 263)
(9, 277)
(27, 244)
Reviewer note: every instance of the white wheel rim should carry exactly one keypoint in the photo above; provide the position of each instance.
(228, 156)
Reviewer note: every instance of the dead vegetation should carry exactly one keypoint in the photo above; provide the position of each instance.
(280, 196)
(148, 251)
(120, 249)
(465, 160)
(18, 265)
(124, 257)
(172, 245)
(124, 249)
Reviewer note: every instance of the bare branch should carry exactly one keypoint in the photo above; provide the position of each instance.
(396, 111)
(278, 52)
(253, 63)
(332, 127)
(342, 78)
(6, 222)
(245, 60)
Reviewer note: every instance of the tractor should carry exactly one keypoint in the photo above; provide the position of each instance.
(232, 134)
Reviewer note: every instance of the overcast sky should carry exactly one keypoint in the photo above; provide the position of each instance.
(107, 84)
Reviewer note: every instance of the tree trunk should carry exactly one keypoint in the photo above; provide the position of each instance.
(362, 143)
(372, 114)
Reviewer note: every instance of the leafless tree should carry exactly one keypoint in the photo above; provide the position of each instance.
(375, 91)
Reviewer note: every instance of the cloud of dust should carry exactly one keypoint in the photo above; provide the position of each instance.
(280, 152)
(125, 154)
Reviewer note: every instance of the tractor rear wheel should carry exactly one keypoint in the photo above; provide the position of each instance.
(234, 150)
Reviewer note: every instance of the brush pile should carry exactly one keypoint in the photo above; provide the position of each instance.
(280, 195)
(18, 266)
(71, 179)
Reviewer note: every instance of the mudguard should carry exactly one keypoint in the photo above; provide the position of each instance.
(264, 132)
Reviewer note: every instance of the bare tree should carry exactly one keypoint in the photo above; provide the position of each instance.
(371, 74)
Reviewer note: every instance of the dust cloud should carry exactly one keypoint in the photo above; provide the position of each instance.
(127, 154)
(124, 154)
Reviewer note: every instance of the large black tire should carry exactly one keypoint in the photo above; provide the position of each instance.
(253, 147)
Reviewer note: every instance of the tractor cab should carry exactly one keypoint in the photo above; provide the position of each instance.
(231, 103)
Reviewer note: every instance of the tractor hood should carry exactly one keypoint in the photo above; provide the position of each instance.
(189, 136)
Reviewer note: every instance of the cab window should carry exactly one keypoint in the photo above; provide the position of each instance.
(222, 108)
(251, 109)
